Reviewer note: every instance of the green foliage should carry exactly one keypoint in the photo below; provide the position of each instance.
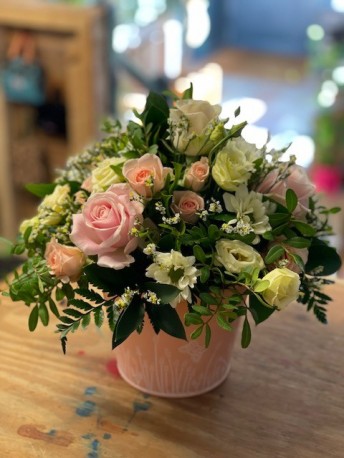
(129, 321)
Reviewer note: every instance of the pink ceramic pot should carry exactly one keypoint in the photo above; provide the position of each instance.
(162, 365)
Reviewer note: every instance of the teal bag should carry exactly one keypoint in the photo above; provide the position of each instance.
(23, 82)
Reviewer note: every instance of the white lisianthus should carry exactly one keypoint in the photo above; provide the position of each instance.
(283, 289)
(195, 126)
(250, 211)
(234, 164)
(235, 256)
(104, 175)
(174, 269)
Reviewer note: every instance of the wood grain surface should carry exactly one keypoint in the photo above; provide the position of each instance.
(284, 397)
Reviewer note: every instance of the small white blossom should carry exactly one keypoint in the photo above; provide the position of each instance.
(203, 215)
(151, 297)
(150, 249)
(160, 208)
(174, 220)
(215, 206)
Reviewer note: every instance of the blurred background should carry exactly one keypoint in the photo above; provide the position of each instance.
(66, 65)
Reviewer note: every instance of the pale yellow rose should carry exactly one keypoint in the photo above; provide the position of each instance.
(235, 256)
(195, 126)
(56, 200)
(283, 289)
(234, 164)
(104, 175)
(32, 222)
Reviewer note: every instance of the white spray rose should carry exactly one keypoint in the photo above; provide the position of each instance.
(234, 164)
(195, 126)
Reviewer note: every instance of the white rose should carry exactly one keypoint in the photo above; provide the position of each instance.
(234, 164)
(235, 256)
(195, 126)
(104, 175)
(284, 287)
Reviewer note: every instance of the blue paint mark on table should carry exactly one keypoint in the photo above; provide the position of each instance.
(107, 436)
(95, 449)
(90, 390)
(140, 406)
(85, 409)
(52, 432)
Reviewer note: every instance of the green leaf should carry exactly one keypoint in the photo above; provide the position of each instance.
(199, 254)
(59, 294)
(222, 322)
(73, 313)
(80, 304)
(304, 228)
(213, 232)
(40, 190)
(99, 317)
(259, 311)
(192, 318)
(274, 254)
(204, 274)
(291, 200)
(43, 314)
(129, 320)
(53, 308)
(261, 285)
(187, 94)
(90, 295)
(86, 321)
(33, 318)
(246, 334)
(322, 255)
(237, 112)
(207, 335)
(167, 319)
(277, 219)
(299, 242)
(166, 293)
(202, 310)
(196, 333)
(208, 298)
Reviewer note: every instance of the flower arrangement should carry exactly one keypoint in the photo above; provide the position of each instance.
(175, 207)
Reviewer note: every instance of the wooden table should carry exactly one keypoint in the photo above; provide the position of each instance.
(284, 397)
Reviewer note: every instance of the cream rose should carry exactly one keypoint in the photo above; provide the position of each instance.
(234, 164)
(104, 175)
(65, 262)
(297, 180)
(187, 204)
(146, 175)
(235, 256)
(195, 126)
(283, 289)
(197, 174)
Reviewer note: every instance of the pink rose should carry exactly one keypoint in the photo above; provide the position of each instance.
(187, 203)
(65, 262)
(87, 184)
(197, 175)
(103, 228)
(146, 175)
(298, 181)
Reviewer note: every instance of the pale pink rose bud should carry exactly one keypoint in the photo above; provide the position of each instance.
(65, 262)
(197, 175)
(87, 184)
(104, 226)
(146, 175)
(187, 204)
(297, 180)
